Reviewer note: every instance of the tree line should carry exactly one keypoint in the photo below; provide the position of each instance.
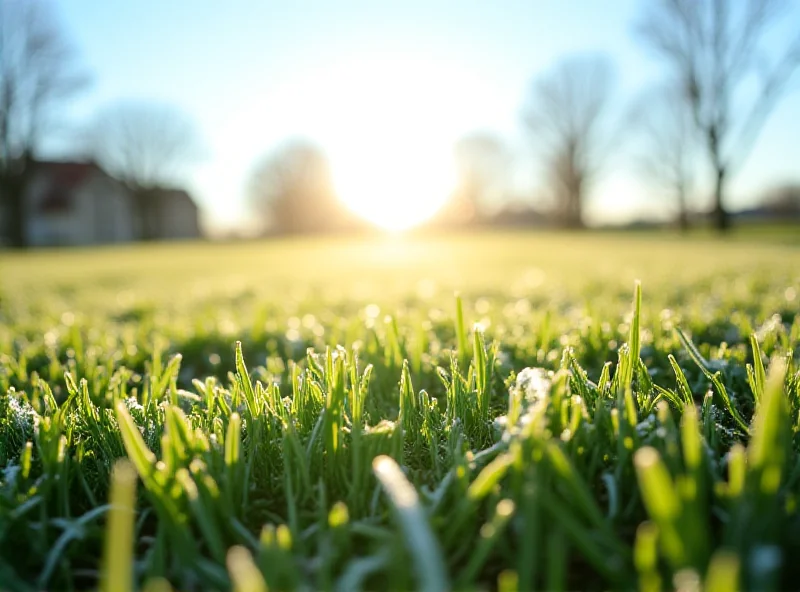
(700, 124)
(696, 128)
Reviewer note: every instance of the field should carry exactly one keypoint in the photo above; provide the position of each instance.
(489, 411)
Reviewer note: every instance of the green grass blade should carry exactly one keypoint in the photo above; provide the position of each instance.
(244, 381)
(117, 574)
(635, 335)
(233, 440)
(760, 374)
(420, 541)
(243, 571)
(461, 332)
(683, 384)
(489, 477)
(767, 449)
(661, 501)
(645, 556)
(138, 452)
(723, 572)
(701, 363)
(490, 533)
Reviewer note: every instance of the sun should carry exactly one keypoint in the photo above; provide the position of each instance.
(395, 185)
(392, 162)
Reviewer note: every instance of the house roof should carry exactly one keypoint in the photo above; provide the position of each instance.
(64, 178)
(174, 195)
(180, 195)
(67, 174)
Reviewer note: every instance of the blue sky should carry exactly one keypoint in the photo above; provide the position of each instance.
(252, 74)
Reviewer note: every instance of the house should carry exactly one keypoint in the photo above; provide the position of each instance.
(167, 214)
(77, 203)
(70, 203)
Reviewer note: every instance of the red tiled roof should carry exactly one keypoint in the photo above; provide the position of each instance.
(67, 175)
(63, 178)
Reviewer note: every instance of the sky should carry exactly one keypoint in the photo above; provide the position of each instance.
(390, 84)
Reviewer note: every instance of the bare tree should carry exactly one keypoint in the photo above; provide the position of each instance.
(38, 71)
(669, 147)
(715, 49)
(292, 190)
(565, 118)
(147, 146)
(482, 165)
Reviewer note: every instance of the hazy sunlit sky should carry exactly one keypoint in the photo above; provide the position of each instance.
(352, 74)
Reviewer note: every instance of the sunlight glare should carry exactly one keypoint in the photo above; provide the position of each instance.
(392, 165)
(394, 186)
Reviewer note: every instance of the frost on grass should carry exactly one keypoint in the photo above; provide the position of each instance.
(21, 421)
(534, 385)
(531, 390)
(134, 408)
(465, 507)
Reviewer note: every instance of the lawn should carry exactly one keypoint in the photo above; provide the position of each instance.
(476, 411)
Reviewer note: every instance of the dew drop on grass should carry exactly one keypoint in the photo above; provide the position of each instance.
(764, 560)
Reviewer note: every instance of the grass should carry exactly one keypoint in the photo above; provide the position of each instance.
(328, 413)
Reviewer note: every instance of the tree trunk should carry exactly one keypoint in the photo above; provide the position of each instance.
(574, 214)
(683, 214)
(722, 220)
(683, 221)
(13, 186)
(19, 221)
(16, 226)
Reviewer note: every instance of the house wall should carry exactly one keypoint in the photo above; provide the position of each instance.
(179, 217)
(50, 228)
(112, 210)
(98, 209)
(100, 212)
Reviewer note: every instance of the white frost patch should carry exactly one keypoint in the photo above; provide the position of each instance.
(532, 389)
(533, 384)
(21, 411)
(132, 403)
